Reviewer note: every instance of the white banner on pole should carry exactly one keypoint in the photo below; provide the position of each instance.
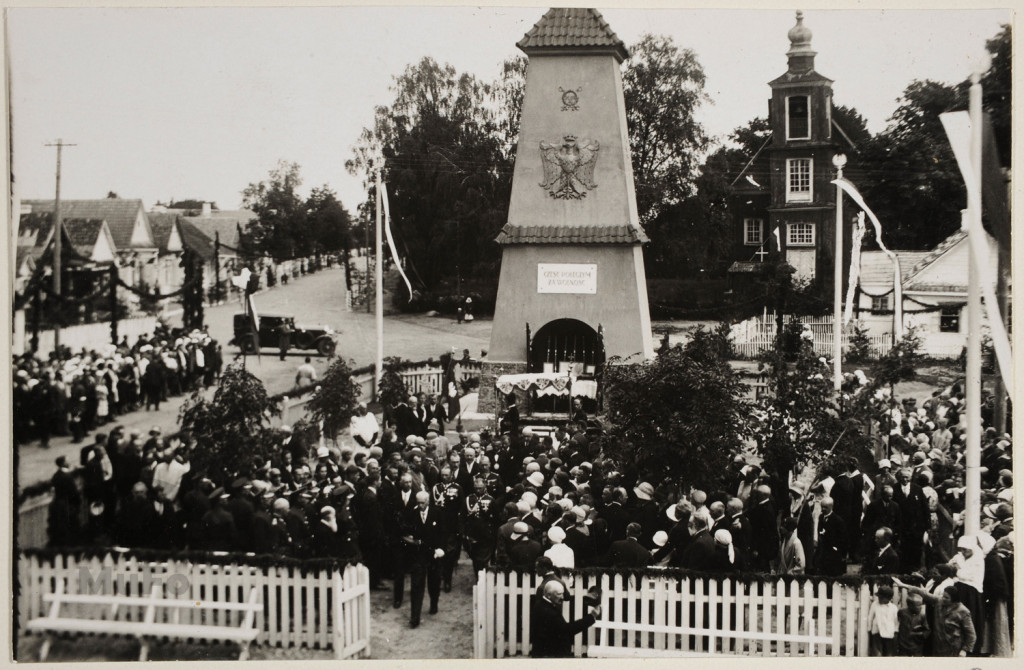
(391, 241)
(958, 129)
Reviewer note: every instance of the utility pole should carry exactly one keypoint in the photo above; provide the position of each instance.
(58, 228)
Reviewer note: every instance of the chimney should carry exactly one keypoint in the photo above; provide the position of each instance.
(207, 211)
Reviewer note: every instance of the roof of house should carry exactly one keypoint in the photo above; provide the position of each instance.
(876, 266)
(225, 222)
(162, 224)
(195, 239)
(36, 229)
(119, 213)
(936, 253)
(573, 27)
(571, 234)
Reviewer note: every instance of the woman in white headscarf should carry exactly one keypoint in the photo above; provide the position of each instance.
(726, 557)
(970, 576)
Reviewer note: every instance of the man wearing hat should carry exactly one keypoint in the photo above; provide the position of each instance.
(422, 548)
(217, 527)
(644, 510)
(763, 529)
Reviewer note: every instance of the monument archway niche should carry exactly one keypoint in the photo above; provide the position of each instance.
(566, 346)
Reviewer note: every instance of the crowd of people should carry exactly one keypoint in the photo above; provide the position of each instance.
(407, 500)
(76, 393)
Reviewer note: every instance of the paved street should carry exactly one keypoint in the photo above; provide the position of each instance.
(313, 299)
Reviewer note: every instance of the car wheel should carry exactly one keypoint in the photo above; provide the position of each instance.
(325, 347)
(248, 344)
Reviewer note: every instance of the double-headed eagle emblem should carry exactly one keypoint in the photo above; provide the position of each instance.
(569, 167)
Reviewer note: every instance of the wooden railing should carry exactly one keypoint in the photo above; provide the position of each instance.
(675, 613)
(316, 605)
(756, 335)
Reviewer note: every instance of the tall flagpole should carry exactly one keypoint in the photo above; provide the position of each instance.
(379, 276)
(839, 160)
(972, 502)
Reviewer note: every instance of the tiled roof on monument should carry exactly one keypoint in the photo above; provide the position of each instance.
(572, 27)
(511, 234)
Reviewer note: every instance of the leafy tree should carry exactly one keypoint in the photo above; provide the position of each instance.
(447, 176)
(279, 229)
(860, 345)
(392, 388)
(663, 87)
(335, 398)
(679, 415)
(329, 222)
(508, 95)
(996, 92)
(797, 424)
(232, 429)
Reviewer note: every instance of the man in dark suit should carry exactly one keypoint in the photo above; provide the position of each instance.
(739, 528)
(848, 494)
(423, 539)
(882, 511)
(764, 530)
(885, 560)
(436, 411)
(914, 518)
(551, 635)
(468, 469)
(400, 502)
(830, 555)
(700, 552)
(615, 513)
(629, 553)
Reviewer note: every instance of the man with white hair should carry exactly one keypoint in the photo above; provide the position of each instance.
(550, 634)
(423, 549)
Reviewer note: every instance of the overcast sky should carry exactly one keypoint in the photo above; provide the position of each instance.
(197, 103)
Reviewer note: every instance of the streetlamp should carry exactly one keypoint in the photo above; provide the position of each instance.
(839, 161)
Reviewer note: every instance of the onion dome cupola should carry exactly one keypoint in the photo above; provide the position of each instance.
(801, 55)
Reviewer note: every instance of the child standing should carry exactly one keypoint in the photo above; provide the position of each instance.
(883, 623)
(913, 627)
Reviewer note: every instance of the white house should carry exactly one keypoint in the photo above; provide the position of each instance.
(934, 287)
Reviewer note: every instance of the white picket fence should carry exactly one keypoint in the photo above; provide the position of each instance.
(312, 607)
(677, 615)
(757, 334)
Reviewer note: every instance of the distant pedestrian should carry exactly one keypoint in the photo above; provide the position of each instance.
(284, 337)
(306, 374)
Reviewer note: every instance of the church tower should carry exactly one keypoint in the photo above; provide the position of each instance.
(572, 291)
(802, 198)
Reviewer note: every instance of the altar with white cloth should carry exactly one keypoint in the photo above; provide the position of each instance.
(547, 383)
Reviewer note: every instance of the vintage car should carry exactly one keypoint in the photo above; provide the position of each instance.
(320, 338)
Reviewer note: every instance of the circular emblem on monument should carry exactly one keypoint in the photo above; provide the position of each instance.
(570, 99)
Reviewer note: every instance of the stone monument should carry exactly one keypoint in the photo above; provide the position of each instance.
(572, 292)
